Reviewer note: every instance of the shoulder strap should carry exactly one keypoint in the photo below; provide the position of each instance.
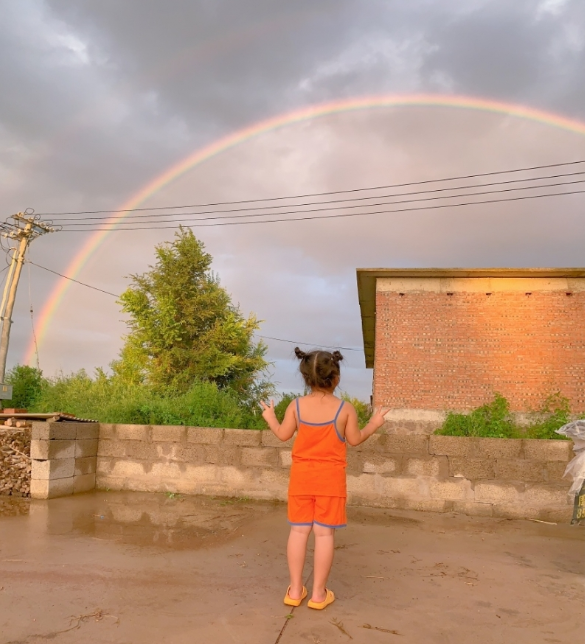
(298, 412)
(337, 414)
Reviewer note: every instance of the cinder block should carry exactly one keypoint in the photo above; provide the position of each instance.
(87, 465)
(355, 462)
(204, 435)
(498, 447)
(498, 492)
(242, 437)
(222, 455)
(555, 471)
(87, 430)
(520, 469)
(547, 450)
(133, 432)
(107, 431)
(424, 466)
(376, 443)
(423, 505)
(451, 490)
(112, 448)
(406, 444)
(383, 467)
(60, 468)
(451, 445)
(547, 494)
(169, 434)
(51, 488)
(473, 509)
(44, 450)
(182, 453)
(84, 448)
(268, 439)
(83, 483)
(53, 431)
(259, 456)
(122, 468)
(139, 450)
(471, 468)
(285, 457)
(399, 486)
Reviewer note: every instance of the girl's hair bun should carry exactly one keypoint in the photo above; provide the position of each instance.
(336, 355)
(301, 355)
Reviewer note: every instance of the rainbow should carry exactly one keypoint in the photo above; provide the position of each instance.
(282, 120)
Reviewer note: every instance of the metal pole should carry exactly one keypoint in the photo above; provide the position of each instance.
(7, 317)
(8, 282)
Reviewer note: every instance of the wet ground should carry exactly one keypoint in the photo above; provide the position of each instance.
(133, 568)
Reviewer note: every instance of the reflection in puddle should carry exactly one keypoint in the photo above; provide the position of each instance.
(148, 519)
(13, 506)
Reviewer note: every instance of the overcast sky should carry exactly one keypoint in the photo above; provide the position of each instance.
(99, 97)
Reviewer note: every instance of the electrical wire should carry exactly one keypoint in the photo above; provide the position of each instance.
(328, 209)
(322, 194)
(116, 228)
(266, 337)
(129, 218)
(71, 279)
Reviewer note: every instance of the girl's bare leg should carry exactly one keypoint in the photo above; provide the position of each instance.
(296, 551)
(324, 547)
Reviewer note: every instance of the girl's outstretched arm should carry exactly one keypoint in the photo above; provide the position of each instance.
(283, 430)
(354, 435)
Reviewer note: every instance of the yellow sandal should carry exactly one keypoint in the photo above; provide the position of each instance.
(329, 599)
(289, 601)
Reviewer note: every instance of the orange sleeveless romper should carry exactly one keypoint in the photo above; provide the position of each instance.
(317, 489)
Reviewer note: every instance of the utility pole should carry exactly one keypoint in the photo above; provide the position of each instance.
(25, 228)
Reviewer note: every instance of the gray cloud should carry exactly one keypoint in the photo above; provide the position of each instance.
(105, 95)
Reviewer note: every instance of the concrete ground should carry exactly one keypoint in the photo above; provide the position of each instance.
(134, 568)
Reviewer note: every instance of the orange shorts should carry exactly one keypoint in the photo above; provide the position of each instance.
(328, 511)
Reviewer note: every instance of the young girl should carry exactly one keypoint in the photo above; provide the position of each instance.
(317, 488)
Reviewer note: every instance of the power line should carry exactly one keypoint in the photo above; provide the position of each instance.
(266, 337)
(66, 222)
(334, 216)
(322, 194)
(73, 280)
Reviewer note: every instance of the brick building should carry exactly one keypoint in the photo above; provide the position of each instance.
(447, 339)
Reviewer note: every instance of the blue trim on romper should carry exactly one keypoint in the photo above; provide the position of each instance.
(335, 423)
(292, 523)
(325, 525)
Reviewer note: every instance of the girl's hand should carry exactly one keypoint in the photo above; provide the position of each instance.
(268, 410)
(378, 416)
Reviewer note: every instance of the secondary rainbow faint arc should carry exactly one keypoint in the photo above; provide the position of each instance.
(256, 129)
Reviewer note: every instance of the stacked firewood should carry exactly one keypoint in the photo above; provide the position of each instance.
(15, 463)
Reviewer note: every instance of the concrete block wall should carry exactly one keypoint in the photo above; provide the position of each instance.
(477, 476)
(63, 458)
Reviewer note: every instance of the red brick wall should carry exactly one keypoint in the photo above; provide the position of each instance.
(439, 351)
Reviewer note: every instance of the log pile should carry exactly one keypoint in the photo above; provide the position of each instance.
(15, 463)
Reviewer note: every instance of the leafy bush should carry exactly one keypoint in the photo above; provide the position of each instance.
(113, 400)
(26, 386)
(494, 420)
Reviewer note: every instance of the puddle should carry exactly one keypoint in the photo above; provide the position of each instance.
(151, 519)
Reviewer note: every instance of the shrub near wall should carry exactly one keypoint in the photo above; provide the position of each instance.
(478, 476)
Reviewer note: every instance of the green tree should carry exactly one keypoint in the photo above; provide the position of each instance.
(184, 328)
(26, 386)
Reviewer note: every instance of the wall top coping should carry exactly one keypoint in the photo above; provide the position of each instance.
(429, 279)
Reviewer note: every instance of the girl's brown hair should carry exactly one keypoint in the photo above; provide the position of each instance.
(320, 369)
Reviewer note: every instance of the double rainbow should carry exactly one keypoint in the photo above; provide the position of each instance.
(280, 121)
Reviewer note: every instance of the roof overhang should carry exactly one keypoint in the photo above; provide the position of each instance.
(366, 282)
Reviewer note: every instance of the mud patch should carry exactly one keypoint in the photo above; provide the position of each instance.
(12, 506)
